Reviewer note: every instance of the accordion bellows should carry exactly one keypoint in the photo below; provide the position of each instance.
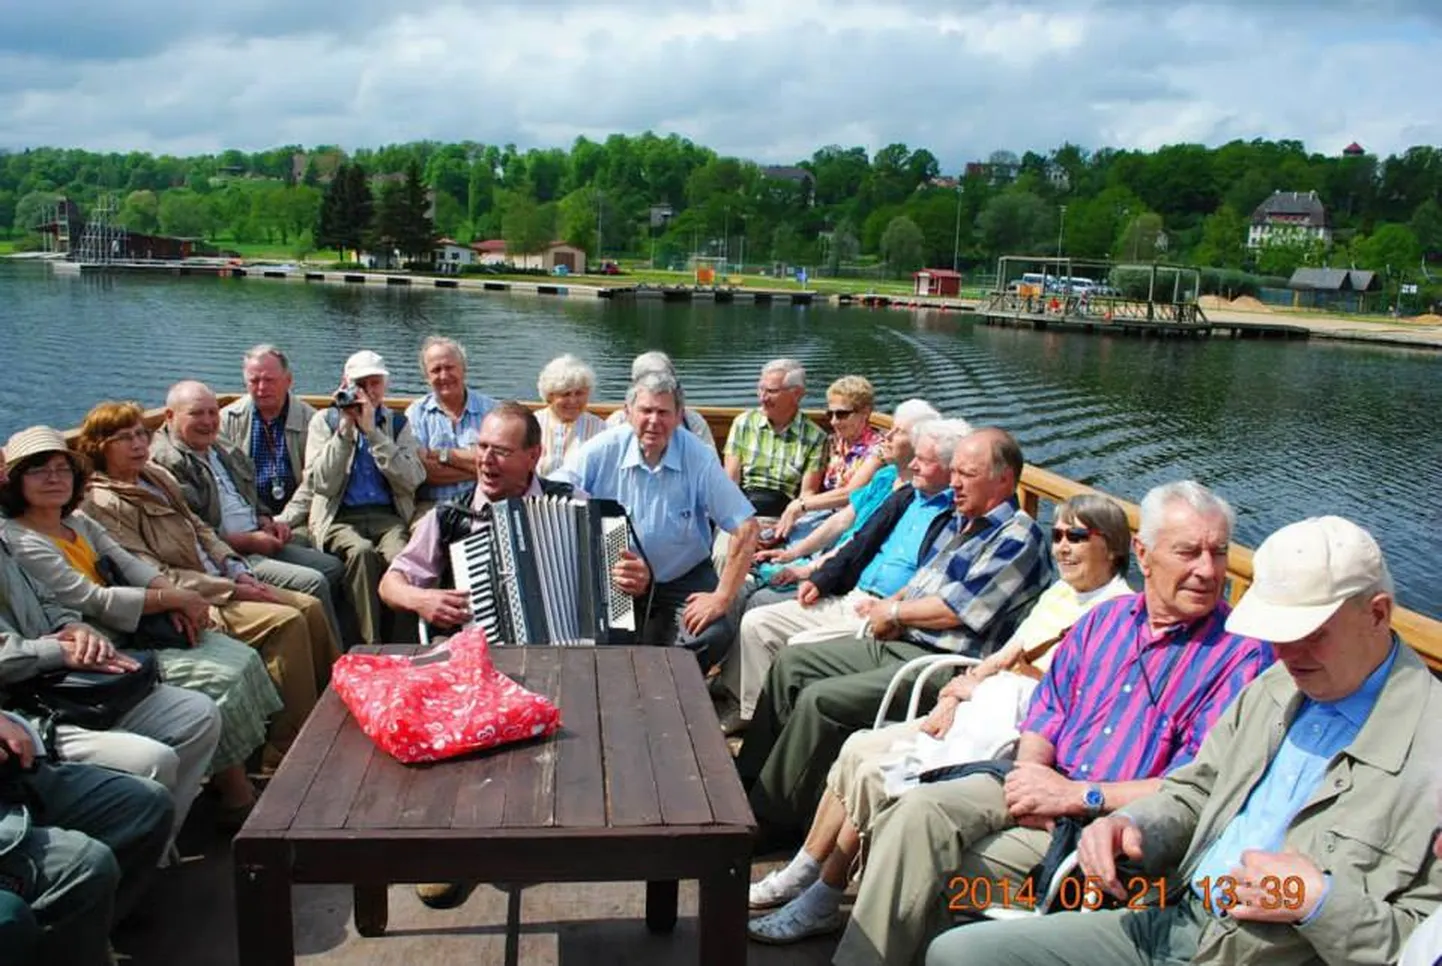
(426, 710)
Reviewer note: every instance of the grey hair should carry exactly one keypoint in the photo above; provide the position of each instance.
(945, 433)
(564, 373)
(451, 345)
(794, 373)
(259, 352)
(655, 383)
(1190, 492)
(1106, 517)
(653, 361)
(184, 390)
(914, 412)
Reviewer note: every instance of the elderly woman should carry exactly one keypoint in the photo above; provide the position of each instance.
(855, 454)
(975, 718)
(657, 361)
(142, 507)
(565, 384)
(70, 556)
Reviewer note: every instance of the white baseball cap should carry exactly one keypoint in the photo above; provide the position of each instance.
(365, 363)
(1302, 573)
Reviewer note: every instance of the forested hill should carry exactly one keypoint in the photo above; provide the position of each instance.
(670, 197)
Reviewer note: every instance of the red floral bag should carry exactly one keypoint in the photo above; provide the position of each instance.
(423, 710)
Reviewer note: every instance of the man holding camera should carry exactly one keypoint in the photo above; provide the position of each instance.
(363, 466)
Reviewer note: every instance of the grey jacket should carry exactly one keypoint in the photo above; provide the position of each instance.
(236, 421)
(28, 618)
(115, 609)
(197, 483)
(1369, 823)
(328, 457)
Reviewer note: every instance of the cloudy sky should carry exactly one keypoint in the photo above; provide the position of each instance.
(770, 80)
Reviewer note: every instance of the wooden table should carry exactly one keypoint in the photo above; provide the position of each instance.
(637, 785)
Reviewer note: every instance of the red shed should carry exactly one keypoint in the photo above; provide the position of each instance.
(937, 281)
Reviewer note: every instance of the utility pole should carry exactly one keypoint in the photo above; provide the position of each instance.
(598, 228)
(956, 238)
(1060, 231)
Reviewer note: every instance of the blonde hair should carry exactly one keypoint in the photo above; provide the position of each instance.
(856, 390)
(102, 422)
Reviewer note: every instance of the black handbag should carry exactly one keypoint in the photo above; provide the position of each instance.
(154, 630)
(95, 700)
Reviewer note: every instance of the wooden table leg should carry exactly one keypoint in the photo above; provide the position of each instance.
(723, 916)
(371, 910)
(661, 905)
(264, 930)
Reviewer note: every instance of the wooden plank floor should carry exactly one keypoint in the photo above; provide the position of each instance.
(587, 924)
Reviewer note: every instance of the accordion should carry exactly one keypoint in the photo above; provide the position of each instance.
(537, 570)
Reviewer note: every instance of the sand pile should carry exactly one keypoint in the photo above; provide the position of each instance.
(1247, 303)
(1213, 302)
(1430, 318)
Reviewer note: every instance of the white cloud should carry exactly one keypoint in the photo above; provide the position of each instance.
(759, 78)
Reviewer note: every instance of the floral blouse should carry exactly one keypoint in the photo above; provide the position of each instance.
(846, 457)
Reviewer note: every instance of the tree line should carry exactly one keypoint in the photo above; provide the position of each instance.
(667, 198)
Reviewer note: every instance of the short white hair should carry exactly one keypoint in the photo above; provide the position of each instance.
(793, 372)
(913, 412)
(259, 352)
(655, 383)
(653, 361)
(945, 433)
(564, 373)
(185, 391)
(450, 345)
(1190, 492)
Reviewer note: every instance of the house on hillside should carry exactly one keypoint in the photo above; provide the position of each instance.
(492, 251)
(449, 257)
(1336, 289)
(1289, 217)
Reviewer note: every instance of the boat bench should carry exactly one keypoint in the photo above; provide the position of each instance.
(637, 785)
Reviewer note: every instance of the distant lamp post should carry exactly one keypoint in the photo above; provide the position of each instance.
(1060, 231)
(956, 238)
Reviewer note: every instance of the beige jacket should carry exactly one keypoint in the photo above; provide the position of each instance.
(1369, 824)
(236, 421)
(163, 532)
(328, 458)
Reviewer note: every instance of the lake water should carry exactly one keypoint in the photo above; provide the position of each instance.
(1281, 429)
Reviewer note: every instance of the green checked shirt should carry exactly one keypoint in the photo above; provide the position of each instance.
(772, 460)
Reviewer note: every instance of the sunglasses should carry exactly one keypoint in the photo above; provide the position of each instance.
(1072, 534)
(839, 413)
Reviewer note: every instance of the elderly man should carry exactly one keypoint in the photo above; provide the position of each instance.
(776, 453)
(446, 421)
(1296, 835)
(362, 467)
(1424, 947)
(874, 565)
(218, 482)
(270, 426)
(657, 361)
(1132, 691)
(984, 570)
(77, 844)
(673, 490)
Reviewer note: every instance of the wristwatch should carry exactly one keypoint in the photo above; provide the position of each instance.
(443, 456)
(1094, 800)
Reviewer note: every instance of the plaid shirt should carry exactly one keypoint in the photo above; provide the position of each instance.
(988, 572)
(272, 462)
(772, 460)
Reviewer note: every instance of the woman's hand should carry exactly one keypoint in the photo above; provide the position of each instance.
(793, 512)
(247, 588)
(189, 605)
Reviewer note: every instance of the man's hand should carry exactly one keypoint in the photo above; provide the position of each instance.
(779, 555)
(787, 576)
(88, 650)
(281, 531)
(1036, 791)
(257, 541)
(939, 722)
(631, 575)
(444, 608)
(1270, 885)
(960, 688)
(807, 593)
(878, 619)
(703, 610)
(793, 512)
(15, 741)
(1101, 842)
(248, 588)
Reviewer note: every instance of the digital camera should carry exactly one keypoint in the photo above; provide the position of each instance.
(346, 396)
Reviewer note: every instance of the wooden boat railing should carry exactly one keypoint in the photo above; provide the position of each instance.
(1038, 490)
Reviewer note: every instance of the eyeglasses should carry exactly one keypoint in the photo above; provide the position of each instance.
(840, 413)
(57, 472)
(139, 434)
(1072, 534)
(499, 452)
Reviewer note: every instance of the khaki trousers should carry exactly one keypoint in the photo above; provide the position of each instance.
(766, 630)
(930, 835)
(295, 641)
(856, 780)
(367, 539)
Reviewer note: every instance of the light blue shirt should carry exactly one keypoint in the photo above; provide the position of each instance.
(867, 500)
(367, 485)
(1319, 731)
(434, 429)
(671, 505)
(896, 561)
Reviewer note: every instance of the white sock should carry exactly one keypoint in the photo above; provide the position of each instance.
(819, 900)
(803, 870)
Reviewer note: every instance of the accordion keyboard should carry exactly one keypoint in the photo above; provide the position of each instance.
(471, 563)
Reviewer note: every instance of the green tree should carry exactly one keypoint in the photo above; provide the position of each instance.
(1426, 225)
(576, 220)
(526, 226)
(902, 246)
(401, 220)
(7, 210)
(1391, 248)
(184, 214)
(1224, 239)
(31, 209)
(842, 247)
(344, 216)
(1143, 239)
(1017, 222)
(449, 214)
(140, 212)
(1285, 256)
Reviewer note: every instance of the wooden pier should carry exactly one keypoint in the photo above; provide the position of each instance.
(1120, 316)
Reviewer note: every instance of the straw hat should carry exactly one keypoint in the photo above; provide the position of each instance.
(34, 441)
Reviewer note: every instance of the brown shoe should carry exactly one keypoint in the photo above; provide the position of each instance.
(444, 895)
